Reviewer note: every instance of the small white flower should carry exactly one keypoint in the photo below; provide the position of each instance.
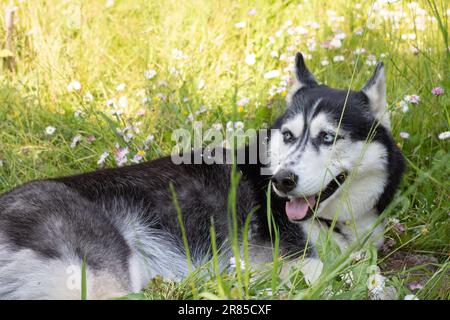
(239, 125)
(250, 59)
(314, 25)
(73, 86)
(375, 284)
(88, 97)
(233, 263)
(201, 84)
(251, 12)
(358, 255)
(272, 74)
(274, 54)
(75, 141)
(230, 126)
(149, 140)
(244, 101)
(50, 130)
(78, 113)
(348, 278)
(444, 135)
(360, 51)
(404, 135)
(102, 159)
(240, 25)
(335, 43)
(178, 54)
(410, 297)
(414, 98)
(403, 106)
(338, 58)
(150, 74)
(120, 87)
(325, 62)
(110, 103)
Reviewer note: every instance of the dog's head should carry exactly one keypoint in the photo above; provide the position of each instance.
(332, 152)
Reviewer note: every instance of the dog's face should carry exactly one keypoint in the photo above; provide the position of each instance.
(329, 151)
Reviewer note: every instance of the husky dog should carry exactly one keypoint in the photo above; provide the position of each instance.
(333, 164)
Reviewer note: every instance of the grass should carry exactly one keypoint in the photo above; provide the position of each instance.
(101, 46)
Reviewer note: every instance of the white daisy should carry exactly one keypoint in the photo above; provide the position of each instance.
(74, 86)
(250, 59)
(102, 159)
(404, 135)
(272, 74)
(75, 141)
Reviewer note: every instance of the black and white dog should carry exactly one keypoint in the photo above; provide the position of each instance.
(332, 160)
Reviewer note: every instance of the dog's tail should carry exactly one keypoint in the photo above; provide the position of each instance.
(25, 275)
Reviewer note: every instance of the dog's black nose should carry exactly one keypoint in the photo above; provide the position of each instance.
(285, 181)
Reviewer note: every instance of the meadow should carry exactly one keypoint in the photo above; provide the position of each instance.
(89, 84)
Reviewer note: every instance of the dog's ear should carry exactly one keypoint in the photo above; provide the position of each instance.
(303, 78)
(375, 90)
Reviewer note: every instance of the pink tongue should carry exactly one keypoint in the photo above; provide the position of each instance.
(296, 209)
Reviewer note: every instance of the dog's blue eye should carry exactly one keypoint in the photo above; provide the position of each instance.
(288, 136)
(327, 138)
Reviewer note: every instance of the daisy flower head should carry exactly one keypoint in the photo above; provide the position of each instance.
(437, 91)
(74, 86)
(410, 297)
(150, 74)
(444, 135)
(102, 159)
(404, 135)
(250, 59)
